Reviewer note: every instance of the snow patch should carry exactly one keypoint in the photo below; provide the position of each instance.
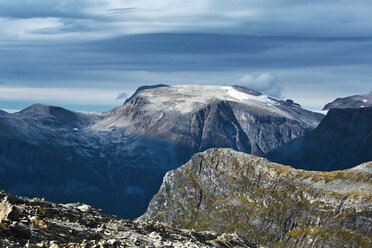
(364, 100)
(11, 111)
(243, 96)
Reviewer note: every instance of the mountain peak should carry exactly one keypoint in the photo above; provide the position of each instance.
(49, 114)
(356, 101)
(145, 87)
(189, 98)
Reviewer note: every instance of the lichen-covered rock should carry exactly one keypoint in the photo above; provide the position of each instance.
(48, 225)
(227, 191)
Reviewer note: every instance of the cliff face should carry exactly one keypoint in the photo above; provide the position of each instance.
(38, 223)
(274, 205)
(342, 140)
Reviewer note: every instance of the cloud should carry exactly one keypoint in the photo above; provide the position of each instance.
(120, 45)
(60, 95)
(266, 82)
(107, 18)
(122, 96)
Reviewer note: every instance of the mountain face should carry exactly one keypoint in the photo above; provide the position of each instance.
(122, 155)
(357, 101)
(37, 223)
(274, 205)
(2, 112)
(342, 140)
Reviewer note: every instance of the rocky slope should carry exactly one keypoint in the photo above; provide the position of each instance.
(37, 223)
(357, 101)
(274, 205)
(122, 155)
(342, 140)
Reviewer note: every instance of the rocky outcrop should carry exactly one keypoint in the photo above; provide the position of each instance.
(357, 101)
(342, 140)
(123, 154)
(227, 191)
(38, 223)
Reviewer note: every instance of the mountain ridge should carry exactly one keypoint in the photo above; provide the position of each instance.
(355, 101)
(272, 204)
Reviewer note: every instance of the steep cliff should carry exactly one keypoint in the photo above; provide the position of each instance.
(274, 205)
(342, 140)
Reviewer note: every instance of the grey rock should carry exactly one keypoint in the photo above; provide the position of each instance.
(67, 227)
(225, 191)
(8, 211)
(356, 101)
(20, 231)
(342, 140)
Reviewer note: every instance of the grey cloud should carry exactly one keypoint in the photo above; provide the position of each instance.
(208, 41)
(41, 9)
(121, 96)
(266, 82)
(59, 61)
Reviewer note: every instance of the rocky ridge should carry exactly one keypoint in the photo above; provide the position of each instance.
(38, 223)
(356, 101)
(275, 205)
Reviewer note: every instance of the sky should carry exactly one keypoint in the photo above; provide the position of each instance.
(91, 55)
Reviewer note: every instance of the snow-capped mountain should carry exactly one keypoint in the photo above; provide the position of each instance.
(116, 160)
(357, 101)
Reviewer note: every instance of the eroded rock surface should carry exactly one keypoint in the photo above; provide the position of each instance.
(274, 205)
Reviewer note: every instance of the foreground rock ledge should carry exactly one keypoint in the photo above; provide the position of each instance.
(38, 223)
(226, 191)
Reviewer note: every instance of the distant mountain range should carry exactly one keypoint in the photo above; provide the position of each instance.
(116, 160)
